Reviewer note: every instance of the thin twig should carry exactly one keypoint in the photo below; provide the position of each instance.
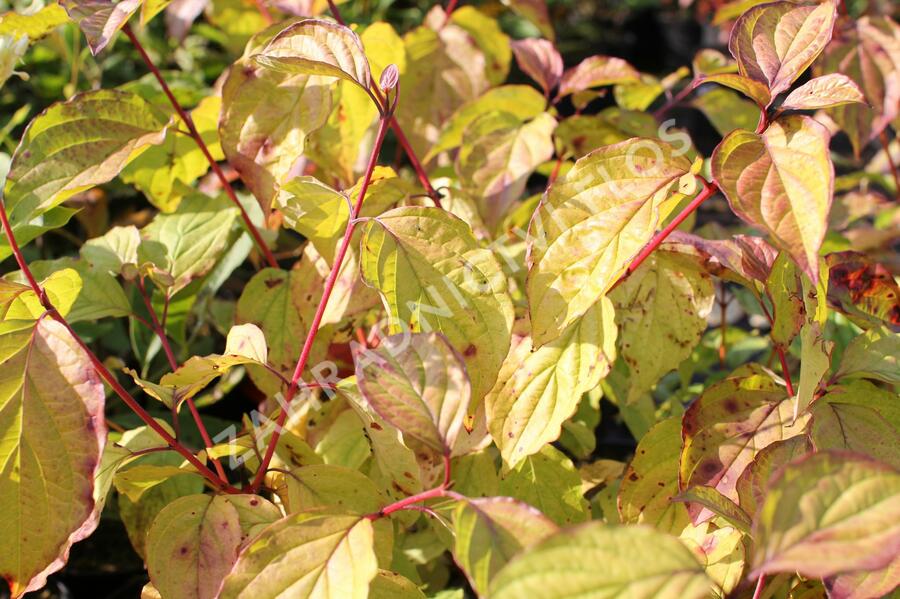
(760, 583)
(320, 310)
(893, 165)
(195, 135)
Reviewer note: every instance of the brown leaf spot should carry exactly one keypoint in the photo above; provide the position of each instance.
(271, 283)
(470, 351)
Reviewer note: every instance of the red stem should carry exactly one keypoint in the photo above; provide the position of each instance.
(784, 369)
(320, 310)
(101, 370)
(156, 327)
(406, 502)
(893, 165)
(195, 135)
(708, 190)
(760, 583)
(660, 112)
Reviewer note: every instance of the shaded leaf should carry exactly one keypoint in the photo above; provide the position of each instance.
(193, 542)
(548, 481)
(856, 428)
(874, 354)
(753, 484)
(754, 90)
(536, 12)
(717, 503)
(390, 585)
(489, 532)
(417, 383)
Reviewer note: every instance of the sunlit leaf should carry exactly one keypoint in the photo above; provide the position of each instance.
(863, 290)
(717, 503)
(754, 90)
(313, 554)
(540, 60)
(603, 561)
(34, 25)
(829, 513)
(486, 33)
(589, 226)
(781, 181)
(51, 407)
(753, 484)
(434, 276)
(596, 71)
(100, 20)
(536, 391)
(774, 43)
(489, 532)
(824, 92)
(854, 427)
(874, 355)
(194, 541)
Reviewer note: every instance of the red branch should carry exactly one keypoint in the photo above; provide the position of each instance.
(320, 310)
(101, 370)
(195, 135)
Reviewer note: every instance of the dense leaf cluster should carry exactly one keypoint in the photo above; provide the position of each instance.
(304, 373)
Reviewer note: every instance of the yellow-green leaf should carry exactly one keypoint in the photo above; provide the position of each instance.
(774, 43)
(826, 91)
(390, 585)
(34, 26)
(589, 226)
(829, 513)
(661, 310)
(51, 409)
(194, 541)
(313, 554)
(317, 47)
(781, 181)
(434, 276)
(604, 562)
(485, 31)
(266, 118)
(489, 532)
(417, 383)
(549, 482)
(75, 145)
(875, 354)
(754, 90)
(536, 391)
(854, 427)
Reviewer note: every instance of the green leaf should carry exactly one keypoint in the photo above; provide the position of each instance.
(266, 118)
(540, 60)
(661, 310)
(390, 585)
(873, 355)
(317, 47)
(829, 513)
(135, 481)
(165, 172)
(651, 480)
(51, 409)
(727, 111)
(100, 20)
(494, 166)
(774, 43)
(712, 62)
(309, 554)
(856, 428)
(519, 101)
(195, 236)
(754, 90)
(536, 391)
(827, 91)
(781, 181)
(489, 532)
(434, 276)
(590, 225)
(728, 425)
(73, 146)
(418, 384)
(596, 71)
(603, 562)
(580, 134)
(194, 541)
(548, 481)
(536, 12)
(784, 288)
